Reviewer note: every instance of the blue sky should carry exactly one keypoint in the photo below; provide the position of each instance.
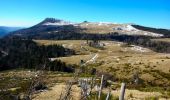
(154, 13)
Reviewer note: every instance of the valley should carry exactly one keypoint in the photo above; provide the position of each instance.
(58, 59)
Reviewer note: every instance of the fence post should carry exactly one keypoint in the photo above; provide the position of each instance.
(122, 91)
(108, 95)
(100, 89)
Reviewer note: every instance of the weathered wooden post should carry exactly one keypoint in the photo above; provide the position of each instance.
(122, 91)
(108, 95)
(100, 90)
(91, 85)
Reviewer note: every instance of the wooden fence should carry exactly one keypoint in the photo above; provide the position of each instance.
(87, 86)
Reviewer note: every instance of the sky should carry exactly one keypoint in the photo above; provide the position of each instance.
(25, 13)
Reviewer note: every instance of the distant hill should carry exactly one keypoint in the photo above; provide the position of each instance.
(51, 28)
(5, 30)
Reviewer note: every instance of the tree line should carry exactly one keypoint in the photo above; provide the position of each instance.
(145, 41)
(22, 53)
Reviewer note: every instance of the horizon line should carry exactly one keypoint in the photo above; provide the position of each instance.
(27, 25)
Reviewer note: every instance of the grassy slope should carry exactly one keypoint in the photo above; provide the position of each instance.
(120, 60)
(116, 58)
(56, 84)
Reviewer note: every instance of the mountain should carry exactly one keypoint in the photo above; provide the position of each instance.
(124, 29)
(5, 30)
(51, 28)
(54, 22)
(46, 28)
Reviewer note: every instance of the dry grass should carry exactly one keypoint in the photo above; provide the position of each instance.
(78, 45)
(75, 59)
(162, 40)
(116, 58)
(56, 84)
(100, 29)
(134, 94)
(124, 59)
(54, 93)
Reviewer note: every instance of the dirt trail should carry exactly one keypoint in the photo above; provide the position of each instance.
(93, 59)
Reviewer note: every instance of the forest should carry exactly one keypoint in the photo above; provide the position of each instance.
(20, 53)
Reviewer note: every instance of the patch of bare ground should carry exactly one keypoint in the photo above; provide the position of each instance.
(54, 93)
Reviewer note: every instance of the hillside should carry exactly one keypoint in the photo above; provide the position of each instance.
(121, 61)
(51, 28)
(144, 71)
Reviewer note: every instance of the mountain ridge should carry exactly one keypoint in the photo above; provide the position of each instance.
(52, 26)
(4, 30)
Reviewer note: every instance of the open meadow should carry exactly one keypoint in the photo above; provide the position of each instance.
(123, 62)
